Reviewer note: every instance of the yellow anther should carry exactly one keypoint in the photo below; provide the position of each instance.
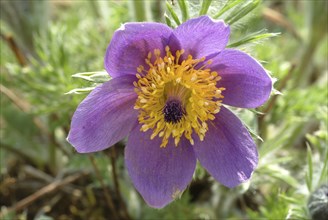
(169, 78)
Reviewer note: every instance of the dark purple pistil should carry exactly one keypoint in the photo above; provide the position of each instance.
(173, 111)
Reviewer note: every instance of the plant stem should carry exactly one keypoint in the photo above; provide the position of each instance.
(139, 10)
(112, 157)
(106, 193)
(272, 101)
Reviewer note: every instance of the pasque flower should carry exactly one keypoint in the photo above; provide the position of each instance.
(167, 94)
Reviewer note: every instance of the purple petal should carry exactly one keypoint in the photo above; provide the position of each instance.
(105, 116)
(131, 44)
(203, 36)
(159, 174)
(228, 152)
(247, 83)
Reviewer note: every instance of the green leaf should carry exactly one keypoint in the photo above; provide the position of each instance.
(173, 14)
(284, 135)
(80, 90)
(290, 199)
(324, 171)
(242, 11)
(97, 77)
(168, 20)
(255, 111)
(254, 37)
(184, 9)
(278, 160)
(271, 146)
(309, 175)
(279, 173)
(205, 5)
(229, 4)
(253, 133)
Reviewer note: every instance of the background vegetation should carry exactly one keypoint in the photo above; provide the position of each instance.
(45, 43)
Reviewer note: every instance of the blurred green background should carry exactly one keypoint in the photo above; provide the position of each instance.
(43, 43)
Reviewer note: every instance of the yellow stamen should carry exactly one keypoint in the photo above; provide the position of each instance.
(193, 88)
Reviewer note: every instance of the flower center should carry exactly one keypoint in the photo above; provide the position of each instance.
(176, 97)
(173, 111)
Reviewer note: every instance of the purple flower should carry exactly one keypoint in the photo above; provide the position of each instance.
(167, 94)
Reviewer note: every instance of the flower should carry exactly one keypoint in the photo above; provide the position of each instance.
(167, 94)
